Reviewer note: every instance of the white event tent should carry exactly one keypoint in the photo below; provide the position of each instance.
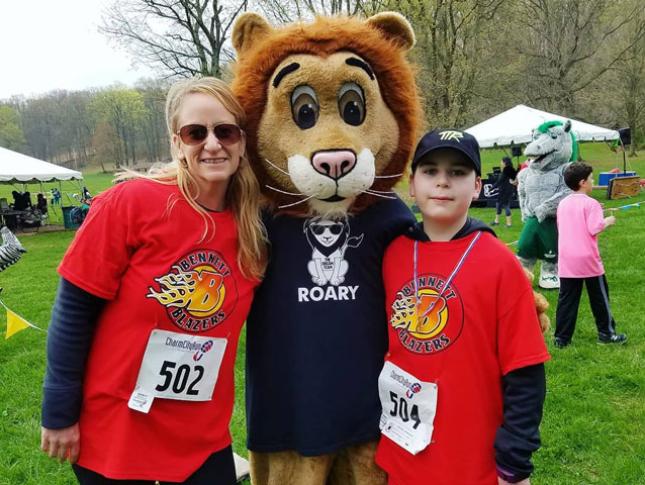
(515, 126)
(18, 168)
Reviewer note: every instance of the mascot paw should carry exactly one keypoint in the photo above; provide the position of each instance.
(541, 305)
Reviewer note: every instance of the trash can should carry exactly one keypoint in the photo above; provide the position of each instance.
(67, 218)
(605, 177)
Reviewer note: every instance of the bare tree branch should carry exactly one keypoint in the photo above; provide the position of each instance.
(177, 37)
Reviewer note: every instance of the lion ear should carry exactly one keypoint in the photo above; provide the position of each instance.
(395, 28)
(567, 126)
(248, 30)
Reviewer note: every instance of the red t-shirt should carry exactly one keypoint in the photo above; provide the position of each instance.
(135, 234)
(484, 326)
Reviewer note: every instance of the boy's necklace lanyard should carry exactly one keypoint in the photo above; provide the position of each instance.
(455, 270)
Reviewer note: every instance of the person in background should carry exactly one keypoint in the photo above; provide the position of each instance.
(506, 188)
(19, 202)
(86, 194)
(155, 288)
(41, 203)
(580, 220)
(56, 196)
(463, 384)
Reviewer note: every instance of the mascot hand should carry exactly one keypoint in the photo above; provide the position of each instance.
(336, 280)
(541, 306)
(539, 214)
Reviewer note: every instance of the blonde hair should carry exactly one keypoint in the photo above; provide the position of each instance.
(243, 191)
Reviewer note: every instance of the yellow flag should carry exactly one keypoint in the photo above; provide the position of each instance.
(15, 324)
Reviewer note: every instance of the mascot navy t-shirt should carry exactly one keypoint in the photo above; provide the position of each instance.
(317, 334)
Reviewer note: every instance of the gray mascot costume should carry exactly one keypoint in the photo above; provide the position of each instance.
(541, 187)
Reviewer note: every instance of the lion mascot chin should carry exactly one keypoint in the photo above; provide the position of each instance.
(333, 113)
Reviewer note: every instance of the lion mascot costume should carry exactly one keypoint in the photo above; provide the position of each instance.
(541, 187)
(333, 113)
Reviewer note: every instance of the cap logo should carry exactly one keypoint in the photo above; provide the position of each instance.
(451, 135)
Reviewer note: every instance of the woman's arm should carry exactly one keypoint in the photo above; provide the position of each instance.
(69, 340)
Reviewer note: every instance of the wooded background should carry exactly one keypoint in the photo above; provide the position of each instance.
(583, 59)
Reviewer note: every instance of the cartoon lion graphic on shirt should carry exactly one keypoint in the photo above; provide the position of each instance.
(329, 239)
(333, 115)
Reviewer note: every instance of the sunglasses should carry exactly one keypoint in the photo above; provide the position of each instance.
(335, 229)
(226, 134)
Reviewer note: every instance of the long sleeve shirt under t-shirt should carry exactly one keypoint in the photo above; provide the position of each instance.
(580, 220)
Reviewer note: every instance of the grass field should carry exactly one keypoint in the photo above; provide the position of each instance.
(593, 423)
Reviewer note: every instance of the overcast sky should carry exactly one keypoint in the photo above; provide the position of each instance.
(55, 44)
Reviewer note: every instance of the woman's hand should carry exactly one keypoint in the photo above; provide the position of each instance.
(63, 444)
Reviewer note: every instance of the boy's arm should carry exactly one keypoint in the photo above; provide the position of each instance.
(518, 437)
(596, 220)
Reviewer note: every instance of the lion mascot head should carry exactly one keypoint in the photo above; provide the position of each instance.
(332, 108)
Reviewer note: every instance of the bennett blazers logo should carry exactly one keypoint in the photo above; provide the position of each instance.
(198, 291)
(433, 320)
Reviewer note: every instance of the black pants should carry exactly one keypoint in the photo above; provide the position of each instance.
(218, 469)
(569, 300)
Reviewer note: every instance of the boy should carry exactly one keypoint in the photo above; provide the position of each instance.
(463, 384)
(580, 220)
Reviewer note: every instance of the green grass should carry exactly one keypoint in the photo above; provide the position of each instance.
(592, 430)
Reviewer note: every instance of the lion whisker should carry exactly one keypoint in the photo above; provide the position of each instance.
(390, 192)
(276, 167)
(295, 203)
(283, 191)
(376, 194)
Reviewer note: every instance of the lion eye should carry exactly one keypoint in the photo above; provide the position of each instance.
(304, 107)
(351, 104)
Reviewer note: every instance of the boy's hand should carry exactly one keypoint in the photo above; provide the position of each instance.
(501, 481)
(610, 221)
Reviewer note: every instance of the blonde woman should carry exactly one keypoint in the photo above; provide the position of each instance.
(155, 288)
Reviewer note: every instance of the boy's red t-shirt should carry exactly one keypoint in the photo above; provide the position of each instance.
(135, 234)
(484, 327)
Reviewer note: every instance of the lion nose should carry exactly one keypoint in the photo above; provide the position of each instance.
(334, 164)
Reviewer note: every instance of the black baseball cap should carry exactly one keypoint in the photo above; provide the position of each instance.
(449, 138)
